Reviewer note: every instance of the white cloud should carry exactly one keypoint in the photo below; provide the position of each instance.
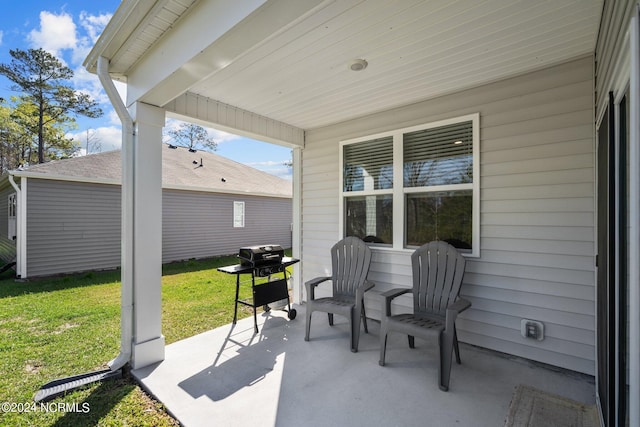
(1, 36)
(109, 138)
(266, 163)
(274, 167)
(220, 136)
(57, 32)
(94, 24)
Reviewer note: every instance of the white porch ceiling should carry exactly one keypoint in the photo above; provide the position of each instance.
(416, 50)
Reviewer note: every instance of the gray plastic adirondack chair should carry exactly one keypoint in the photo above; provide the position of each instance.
(437, 269)
(350, 260)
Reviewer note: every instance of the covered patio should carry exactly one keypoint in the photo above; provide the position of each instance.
(231, 376)
(535, 106)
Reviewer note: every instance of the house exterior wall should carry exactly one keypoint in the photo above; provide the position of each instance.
(537, 211)
(198, 225)
(74, 226)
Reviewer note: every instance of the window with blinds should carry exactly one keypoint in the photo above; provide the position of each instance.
(436, 193)
(368, 165)
(439, 156)
(367, 183)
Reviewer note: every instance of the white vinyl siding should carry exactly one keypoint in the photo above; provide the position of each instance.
(536, 211)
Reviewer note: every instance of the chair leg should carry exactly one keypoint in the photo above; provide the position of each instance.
(456, 348)
(444, 371)
(330, 316)
(383, 346)
(355, 329)
(307, 324)
(364, 319)
(412, 341)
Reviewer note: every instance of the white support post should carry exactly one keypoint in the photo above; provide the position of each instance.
(145, 234)
(296, 235)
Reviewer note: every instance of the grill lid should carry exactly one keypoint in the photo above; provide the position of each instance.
(261, 255)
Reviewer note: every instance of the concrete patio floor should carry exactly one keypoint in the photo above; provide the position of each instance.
(232, 377)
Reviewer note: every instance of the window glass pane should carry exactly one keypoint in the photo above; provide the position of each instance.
(368, 165)
(439, 216)
(369, 218)
(439, 156)
(238, 214)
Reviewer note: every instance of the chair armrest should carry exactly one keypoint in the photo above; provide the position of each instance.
(310, 286)
(454, 309)
(389, 296)
(366, 285)
(459, 305)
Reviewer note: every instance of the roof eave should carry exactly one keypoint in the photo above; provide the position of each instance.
(121, 26)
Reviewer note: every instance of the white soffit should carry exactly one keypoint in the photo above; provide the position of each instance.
(415, 50)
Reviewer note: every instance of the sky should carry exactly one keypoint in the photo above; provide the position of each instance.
(68, 29)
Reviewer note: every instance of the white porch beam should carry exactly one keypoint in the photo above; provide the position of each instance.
(145, 258)
(208, 112)
(215, 34)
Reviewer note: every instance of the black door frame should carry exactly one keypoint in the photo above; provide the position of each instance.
(612, 262)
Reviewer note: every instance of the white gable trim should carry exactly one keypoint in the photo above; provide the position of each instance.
(55, 177)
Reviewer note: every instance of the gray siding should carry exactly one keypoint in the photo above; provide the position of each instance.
(198, 225)
(537, 211)
(76, 226)
(72, 227)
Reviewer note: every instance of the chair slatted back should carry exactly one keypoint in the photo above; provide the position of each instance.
(438, 269)
(350, 260)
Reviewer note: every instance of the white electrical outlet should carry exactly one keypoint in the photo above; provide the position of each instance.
(532, 329)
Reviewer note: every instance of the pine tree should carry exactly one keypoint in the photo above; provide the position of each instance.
(43, 80)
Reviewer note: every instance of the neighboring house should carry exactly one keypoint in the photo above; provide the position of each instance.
(66, 215)
(542, 102)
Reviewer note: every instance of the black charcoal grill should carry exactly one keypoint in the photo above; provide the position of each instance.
(262, 262)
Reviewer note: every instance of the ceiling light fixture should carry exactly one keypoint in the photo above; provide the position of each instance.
(358, 65)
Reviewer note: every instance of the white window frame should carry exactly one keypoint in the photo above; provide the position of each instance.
(238, 214)
(12, 217)
(399, 191)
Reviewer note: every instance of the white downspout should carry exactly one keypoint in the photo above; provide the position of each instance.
(126, 299)
(21, 236)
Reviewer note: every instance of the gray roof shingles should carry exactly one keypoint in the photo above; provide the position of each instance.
(200, 170)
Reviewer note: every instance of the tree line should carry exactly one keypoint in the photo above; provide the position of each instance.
(35, 121)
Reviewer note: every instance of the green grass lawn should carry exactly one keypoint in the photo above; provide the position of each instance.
(57, 327)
